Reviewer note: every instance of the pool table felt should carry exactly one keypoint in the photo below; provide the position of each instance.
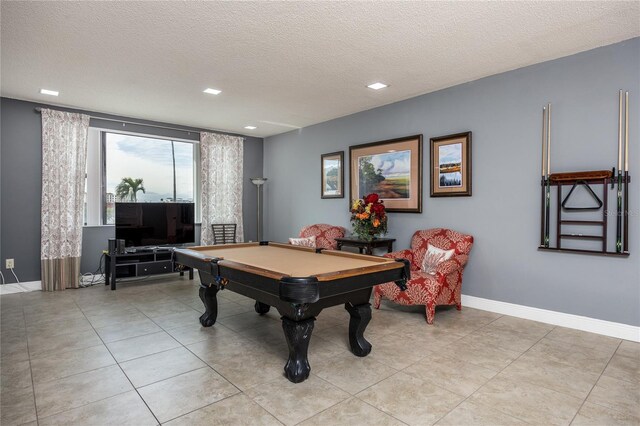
(296, 261)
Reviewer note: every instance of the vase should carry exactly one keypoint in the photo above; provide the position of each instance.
(366, 236)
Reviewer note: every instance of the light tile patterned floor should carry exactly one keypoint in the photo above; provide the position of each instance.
(138, 356)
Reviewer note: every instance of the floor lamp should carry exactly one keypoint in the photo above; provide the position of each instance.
(258, 182)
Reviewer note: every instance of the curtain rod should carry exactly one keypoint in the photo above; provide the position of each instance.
(39, 109)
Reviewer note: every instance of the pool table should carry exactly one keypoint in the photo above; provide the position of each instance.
(297, 281)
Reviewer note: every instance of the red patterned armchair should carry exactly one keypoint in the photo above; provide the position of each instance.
(325, 234)
(441, 288)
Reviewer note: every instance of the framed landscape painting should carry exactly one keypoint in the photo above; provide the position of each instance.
(392, 169)
(451, 165)
(332, 178)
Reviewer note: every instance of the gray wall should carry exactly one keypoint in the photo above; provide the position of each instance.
(20, 187)
(504, 114)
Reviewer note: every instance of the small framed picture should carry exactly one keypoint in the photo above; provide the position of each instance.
(451, 165)
(332, 179)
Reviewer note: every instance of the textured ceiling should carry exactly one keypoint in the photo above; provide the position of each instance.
(281, 65)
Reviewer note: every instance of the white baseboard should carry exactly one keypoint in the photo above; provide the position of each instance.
(593, 325)
(31, 285)
(10, 289)
(20, 287)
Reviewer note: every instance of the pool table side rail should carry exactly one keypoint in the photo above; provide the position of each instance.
(301, 289)
(206, 262)
(288, 247)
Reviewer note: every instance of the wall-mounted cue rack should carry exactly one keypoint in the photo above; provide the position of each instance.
(566, 215)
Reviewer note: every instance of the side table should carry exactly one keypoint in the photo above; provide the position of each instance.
(366, 246)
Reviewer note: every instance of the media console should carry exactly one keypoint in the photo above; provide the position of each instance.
(142, 262)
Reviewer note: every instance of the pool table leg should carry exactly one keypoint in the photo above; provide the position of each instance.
(298, 335)
(360, 317)
(261, 308)
(208, 295)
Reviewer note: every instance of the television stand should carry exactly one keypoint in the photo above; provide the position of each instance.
(140, 263)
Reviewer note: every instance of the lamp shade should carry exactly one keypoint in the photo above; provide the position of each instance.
(258, 180)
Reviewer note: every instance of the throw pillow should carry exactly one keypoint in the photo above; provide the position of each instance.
(433, 257)
(304, 242)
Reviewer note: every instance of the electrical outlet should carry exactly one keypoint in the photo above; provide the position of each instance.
(9, 264)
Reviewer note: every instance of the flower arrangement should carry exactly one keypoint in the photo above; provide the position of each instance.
(368, 217)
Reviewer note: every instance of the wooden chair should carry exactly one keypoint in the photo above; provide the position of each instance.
(224, 233)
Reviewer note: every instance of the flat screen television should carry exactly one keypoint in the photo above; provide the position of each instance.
(155, 224)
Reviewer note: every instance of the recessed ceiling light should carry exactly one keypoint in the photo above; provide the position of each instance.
(212, 91)
(377, 86)
(49, 92)
(250, 127)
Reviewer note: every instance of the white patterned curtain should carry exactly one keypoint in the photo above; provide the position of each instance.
(221, 177)
(64, 153)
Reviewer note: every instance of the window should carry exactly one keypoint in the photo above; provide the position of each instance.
(138, 168)
(143, 169)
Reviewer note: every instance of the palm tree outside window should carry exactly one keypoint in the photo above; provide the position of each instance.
(127, 190)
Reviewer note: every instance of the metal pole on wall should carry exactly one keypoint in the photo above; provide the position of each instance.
(258, 182)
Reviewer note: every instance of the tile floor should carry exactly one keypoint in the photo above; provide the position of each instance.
(138, 356)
